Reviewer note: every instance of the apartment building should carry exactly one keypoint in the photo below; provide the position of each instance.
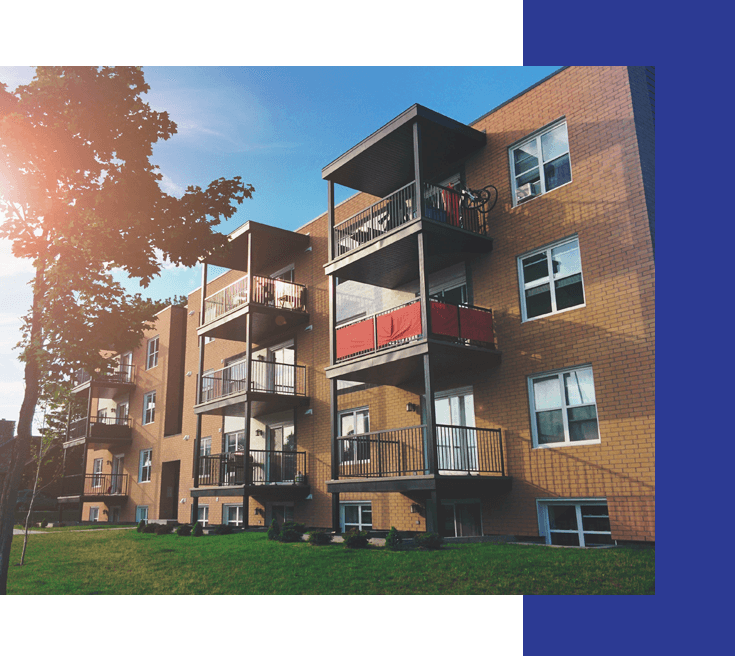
(465, 345)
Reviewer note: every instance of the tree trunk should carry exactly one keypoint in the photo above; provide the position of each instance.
(22, 448)
(30, 504)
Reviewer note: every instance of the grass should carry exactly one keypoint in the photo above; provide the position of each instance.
(127, 562)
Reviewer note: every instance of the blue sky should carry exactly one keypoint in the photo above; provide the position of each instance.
(275, 127)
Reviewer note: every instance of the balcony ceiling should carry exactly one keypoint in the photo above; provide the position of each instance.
(272, 248)
(383, 162)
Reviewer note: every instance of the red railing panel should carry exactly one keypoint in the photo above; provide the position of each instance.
(476, 325)
(356, 338)
(444, 319)
(399, 325)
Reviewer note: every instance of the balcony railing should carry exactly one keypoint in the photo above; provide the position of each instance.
(123, 373)
(266, 466)
(402, 452)
(266, 292)
(267, 377)
(441, 204)
(462, 324)
(100, 427)
(106, 485)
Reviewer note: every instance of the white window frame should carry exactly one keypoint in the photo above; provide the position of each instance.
(151, 352)
(360, 525)
(141, 513)
(203, 510)
(205, 451)
(536, 136)
(545, 531)
(145, 466)
(120, 416)
(353, 411)
(549, 279)
(149, 408)
(97, 473)
(94, 514)
(559, 373)
(226, 514)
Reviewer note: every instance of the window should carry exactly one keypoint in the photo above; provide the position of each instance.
(152, 353)
(97, 472)
(208, 386)
(205, 446)
(144, 466)
(540, 163)
(354, 422)
(235, 442)
(357, 515)
(121, 413)
(551, 280)
(141, 513)
(563, 408)
(94, 514)
(232, 515)
(126, 367)
(203, 515)
(149, 408)
(574, 522)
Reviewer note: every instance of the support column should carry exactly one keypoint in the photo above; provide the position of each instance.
(248, 473)
(431, 460)
(330, 221)
(198, 437)
(432, 513)
(418, 170)
(85, 446)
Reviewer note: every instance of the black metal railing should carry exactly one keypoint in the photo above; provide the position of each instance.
(452, 207)
(266, 291)
(375, 221)
(122, 374)
(101, 427)
(267, 377)
(101, 485)
(266, 466)
(402, 452)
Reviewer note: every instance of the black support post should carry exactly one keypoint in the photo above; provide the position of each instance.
(248, 473)
(418, 170)
(198, 437)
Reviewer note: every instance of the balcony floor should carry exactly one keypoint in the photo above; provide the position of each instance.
(269, 322)
(261, 491)
(262, 403)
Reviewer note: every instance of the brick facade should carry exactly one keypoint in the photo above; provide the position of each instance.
(608, 206)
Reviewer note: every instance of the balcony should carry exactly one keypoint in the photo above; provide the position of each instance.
(106, 384)
(93, 487)
(272, 475)
(274, 386)
(276, 305)
(467, 459)
(101, 431)
(375, 246)
(386, 348)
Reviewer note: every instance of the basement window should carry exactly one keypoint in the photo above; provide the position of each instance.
(574, 522)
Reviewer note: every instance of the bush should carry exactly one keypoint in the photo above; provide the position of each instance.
(184, 530)
(197, 530)
(292, 532)
(355, 539)
(320, 538)
(150, 528)
(393, 539)
(163, 529)
(274, 531)
(140, 526)
(428, 541)
(222, 529)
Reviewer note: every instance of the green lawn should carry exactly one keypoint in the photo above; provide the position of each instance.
(127, 562)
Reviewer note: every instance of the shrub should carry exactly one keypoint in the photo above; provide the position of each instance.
(320, 538)
(140, 526)
(150, 528)
(163, 529)
(274, 531)
(292, 532)
(183, 530)
(355, 539)
(428, 541)
(222, 529)
(393, 539)
(197, 530)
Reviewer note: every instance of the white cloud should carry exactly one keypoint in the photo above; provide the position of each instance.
(11, 265)
(171, 187)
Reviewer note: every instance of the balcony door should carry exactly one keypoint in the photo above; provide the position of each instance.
(281, 459)
(126, 367)
(121, 414)
(116, 486)
(456, 439)
(276, 374)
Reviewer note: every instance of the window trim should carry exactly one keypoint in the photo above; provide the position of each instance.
(545, 531)
(522, 284)
(205, 520)
(96, 514)
(137, 513)
(226, 512)
(146, 407)
(359, 504)
(97, 464)
(354, 412)
(534, 136)
(559, 373)
(149, 354)
(142, 465)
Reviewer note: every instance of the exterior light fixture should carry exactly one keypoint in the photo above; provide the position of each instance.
(280, 320)
(412, 407)
(259, 432)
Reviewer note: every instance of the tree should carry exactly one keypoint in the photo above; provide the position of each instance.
(80, 199)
